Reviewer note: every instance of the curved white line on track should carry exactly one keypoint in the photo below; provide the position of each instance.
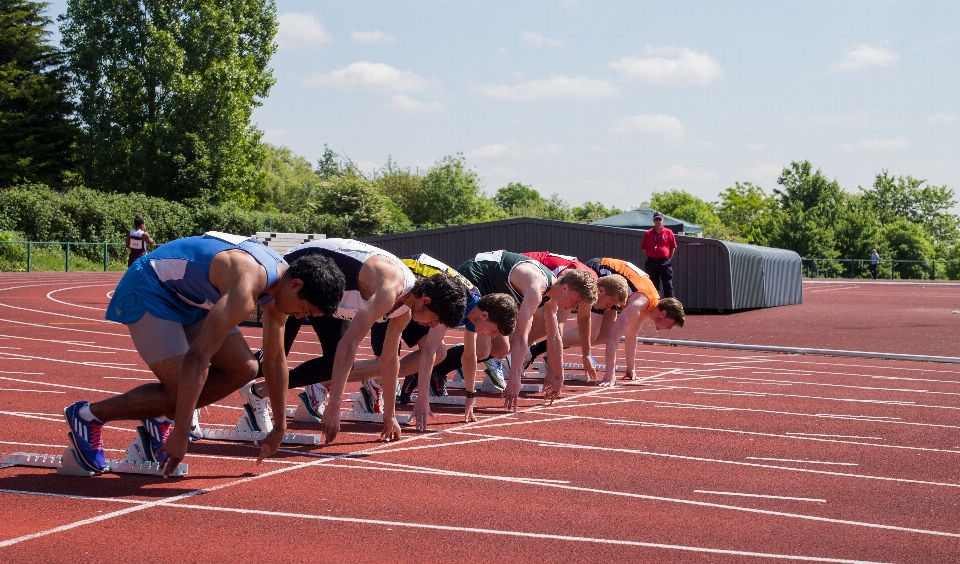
(51, 298)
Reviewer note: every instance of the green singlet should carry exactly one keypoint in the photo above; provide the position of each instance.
(490, 272)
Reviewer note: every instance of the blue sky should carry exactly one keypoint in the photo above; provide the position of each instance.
(611, 101)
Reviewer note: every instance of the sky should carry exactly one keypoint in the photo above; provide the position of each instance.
(610, 101)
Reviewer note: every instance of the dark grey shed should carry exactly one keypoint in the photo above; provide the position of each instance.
(708, 274)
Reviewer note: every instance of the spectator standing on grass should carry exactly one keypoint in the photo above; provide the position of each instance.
(659, 244)
(137, 240)
(874, 261)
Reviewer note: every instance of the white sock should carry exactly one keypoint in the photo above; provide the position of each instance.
(163, 419)
(85, 414)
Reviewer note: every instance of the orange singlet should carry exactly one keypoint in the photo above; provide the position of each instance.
(637, 279)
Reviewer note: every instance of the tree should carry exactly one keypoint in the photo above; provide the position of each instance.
(893, 199)
(593, 211)
(683, 205)
(515, 197)
(810, 191)
(291, 183)
(330, 164)
(165, 92)
(450, 194)
(400, 185)
(905, 241)
(36, 130)
(350, 196)
(743, 208)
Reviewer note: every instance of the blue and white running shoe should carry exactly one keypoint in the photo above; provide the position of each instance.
(158, 432)
(86, 436)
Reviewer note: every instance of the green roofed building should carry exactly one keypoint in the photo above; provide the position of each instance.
(642, 218)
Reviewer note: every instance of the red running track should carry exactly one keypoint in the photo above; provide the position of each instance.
(724, 456)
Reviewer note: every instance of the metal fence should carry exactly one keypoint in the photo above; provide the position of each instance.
(30, 256)
(888, 269)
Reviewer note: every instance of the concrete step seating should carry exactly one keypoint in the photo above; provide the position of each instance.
(283, 242)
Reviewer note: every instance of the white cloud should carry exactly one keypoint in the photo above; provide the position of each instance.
(866, 55)
(664, 127)
(300, 31)
(884, 144)
(854, 119)
(370, 76)
(557, 86)
(501, 50)
(755, 146)
(670, 65)
(942, 118)
(679, 176)
(372, 37)
(407, 104)
(517, 150)
(539, 40)
(763, 173)
(847, 147)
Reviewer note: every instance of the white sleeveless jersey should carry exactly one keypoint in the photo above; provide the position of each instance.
(350, 255)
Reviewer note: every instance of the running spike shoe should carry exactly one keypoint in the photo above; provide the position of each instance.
(86, 436)
(315, 399)
(438, 384)
(372, 396)
(259, 406)
(157, 431)
(495, 370)
(196, 432)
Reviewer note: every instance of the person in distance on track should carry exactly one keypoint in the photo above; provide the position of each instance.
(379, 288)
(182, 304)
(137, 240)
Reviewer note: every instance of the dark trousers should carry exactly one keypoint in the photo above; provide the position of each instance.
(329, 331)
(873, 270)
(660, 270)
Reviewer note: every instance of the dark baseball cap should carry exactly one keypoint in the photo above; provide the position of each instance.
(658, 215)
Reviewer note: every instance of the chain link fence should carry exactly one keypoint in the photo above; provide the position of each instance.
(886, 269)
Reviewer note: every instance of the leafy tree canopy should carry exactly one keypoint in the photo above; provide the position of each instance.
(906, 198)
(165, 92)
(36, 128)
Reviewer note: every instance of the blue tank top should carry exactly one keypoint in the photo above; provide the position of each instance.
(182, 268)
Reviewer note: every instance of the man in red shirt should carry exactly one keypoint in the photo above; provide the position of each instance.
(659, 245)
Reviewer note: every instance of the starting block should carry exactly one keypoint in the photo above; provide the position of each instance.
(248, 431)
(70, 464)
(301, 414)
(572, 366)
(566, 377)
(441, 400)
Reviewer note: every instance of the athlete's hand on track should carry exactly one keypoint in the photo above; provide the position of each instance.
(590, 370)
(468, 415)
(270, 443)
(173, 451)
(391, 430)
(421, 412)
(330, 423)
(609, 379)
(552, 388)
(511, 394)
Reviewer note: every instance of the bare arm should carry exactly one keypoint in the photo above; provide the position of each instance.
(146, 238)
(389, 362)
(631, 313)
(276, 376)
(429, 346)
(586, 337)
(469, 368)
(534, 284)
(553, 328)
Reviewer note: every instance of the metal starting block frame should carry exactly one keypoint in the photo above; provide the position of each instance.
(300, 414)
(70, 464)
(566, 377)
(574, 366)
(442, 400)
(484, 387)
(248, 431)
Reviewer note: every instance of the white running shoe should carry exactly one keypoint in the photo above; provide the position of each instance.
(316, 399)
(195, 431)
(259, 406)
(494, 369)
(372, 396)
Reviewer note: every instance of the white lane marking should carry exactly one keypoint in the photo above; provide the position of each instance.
(92, 352)
(13, 356)
(41, 325)
(126, 378)
(27, 373)
(502, 533)
(803, 461)
(61, 386)
(761, 496)
(87, 344)
(835, 436)
(51, 298)
(31, 310)
(441, 445)
(551, 420)
(13, 348)
(742, 394)
(34, 391)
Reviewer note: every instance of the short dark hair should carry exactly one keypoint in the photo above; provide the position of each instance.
(674, 310)
(323, 283)
(138, 221)
(502, 310)
(448, 297)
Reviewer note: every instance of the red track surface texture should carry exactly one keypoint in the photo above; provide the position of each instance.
(722, 457)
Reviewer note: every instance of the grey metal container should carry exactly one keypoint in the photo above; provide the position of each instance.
(710, 274)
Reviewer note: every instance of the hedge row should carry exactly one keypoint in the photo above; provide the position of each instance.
(38, 213)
